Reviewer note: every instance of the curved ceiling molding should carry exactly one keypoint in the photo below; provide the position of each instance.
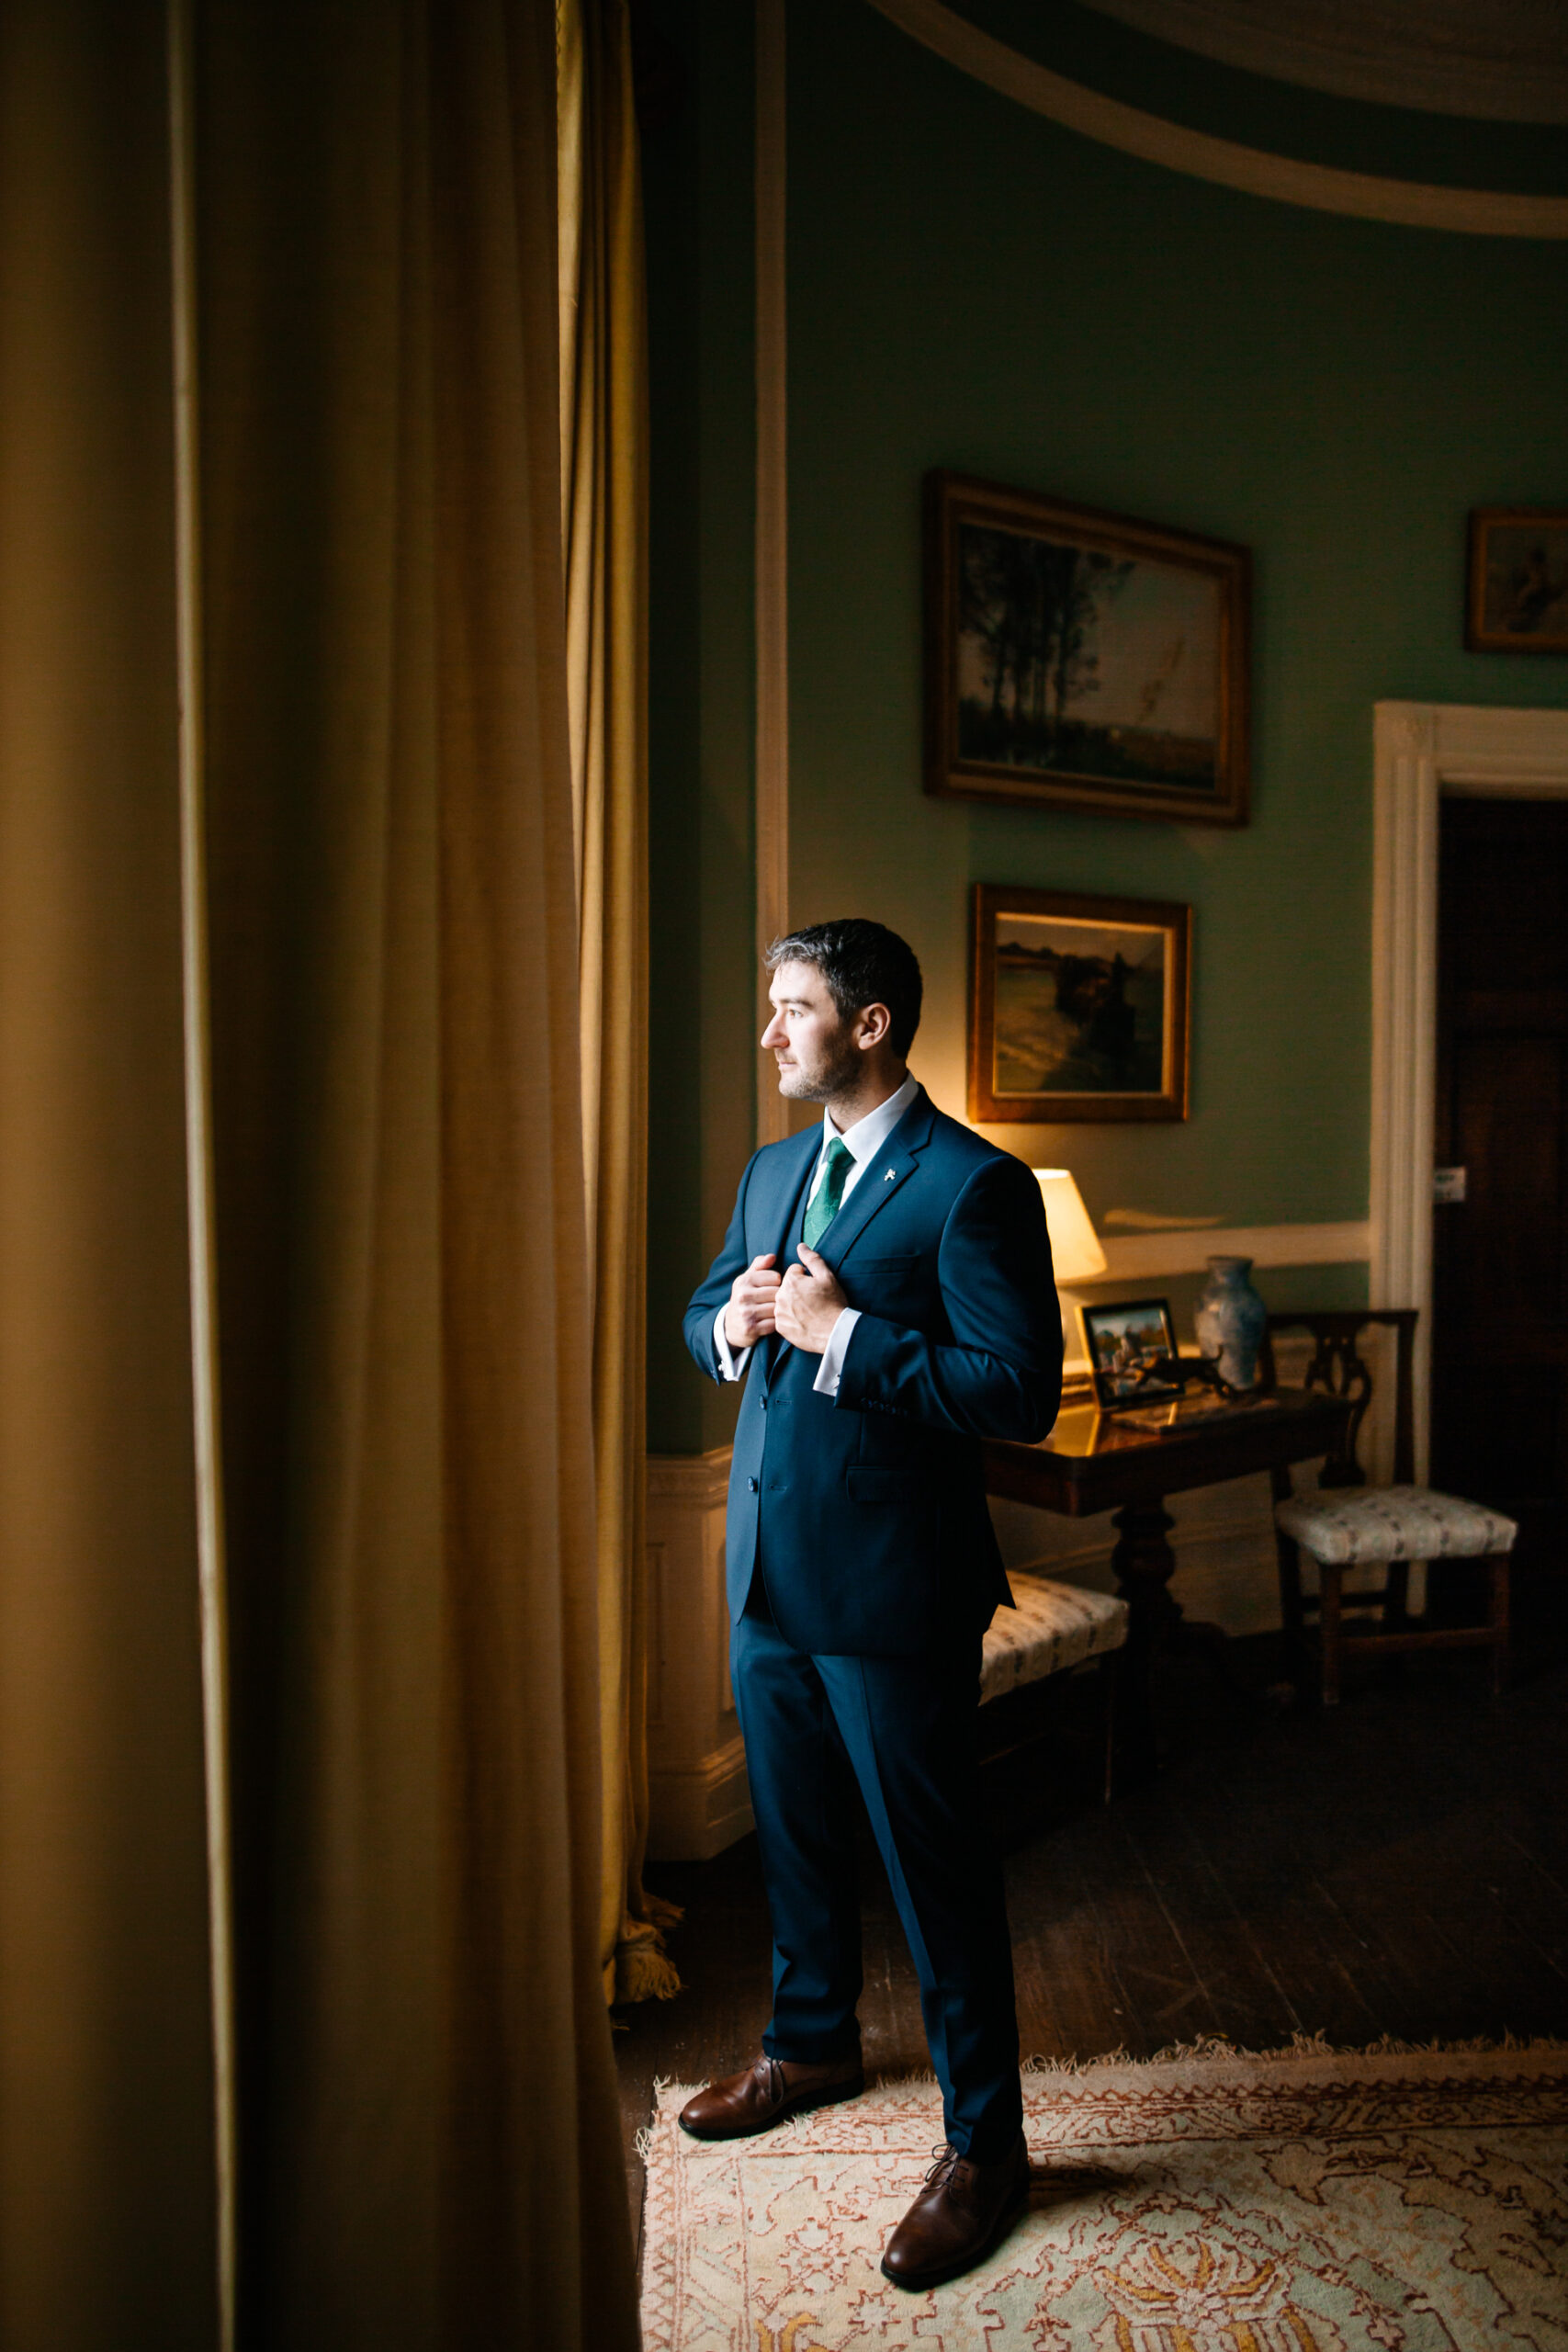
(1500, 61)
(1360, 195)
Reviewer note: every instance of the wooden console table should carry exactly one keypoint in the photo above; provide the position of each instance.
(1096, 1462)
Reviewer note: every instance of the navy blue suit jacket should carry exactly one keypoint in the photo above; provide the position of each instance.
(868, 1508)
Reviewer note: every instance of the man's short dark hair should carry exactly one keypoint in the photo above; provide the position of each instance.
(862, 963)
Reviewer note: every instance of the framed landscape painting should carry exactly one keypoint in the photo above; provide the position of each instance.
(1517, 599)
(1076, 660)
(1080, 1007)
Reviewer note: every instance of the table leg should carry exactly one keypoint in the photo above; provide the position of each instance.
(1145, 1564)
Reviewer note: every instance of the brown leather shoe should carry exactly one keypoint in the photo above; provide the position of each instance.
(961, 2213)
(765, 2094)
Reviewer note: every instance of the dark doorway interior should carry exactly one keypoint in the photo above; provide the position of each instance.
(1500, 1272)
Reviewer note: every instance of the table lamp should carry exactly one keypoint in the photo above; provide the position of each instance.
(1076, 1253)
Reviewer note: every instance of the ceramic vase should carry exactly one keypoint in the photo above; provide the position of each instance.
(1230, 1320)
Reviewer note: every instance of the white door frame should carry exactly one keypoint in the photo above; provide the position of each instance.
(1422, 751)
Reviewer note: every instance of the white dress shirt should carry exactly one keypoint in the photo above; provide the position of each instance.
(865, 1141)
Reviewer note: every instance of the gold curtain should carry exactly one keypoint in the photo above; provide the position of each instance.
(427, 2085)
(107, 2203)
(603, 403)
(429, 2136)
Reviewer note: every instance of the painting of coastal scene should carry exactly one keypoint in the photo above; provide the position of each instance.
(1080, 1006)
(1073, 660)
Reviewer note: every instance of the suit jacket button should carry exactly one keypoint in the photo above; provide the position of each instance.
(750, 1486)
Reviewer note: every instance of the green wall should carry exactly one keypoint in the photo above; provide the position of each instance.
(972, 285)
(697, 181)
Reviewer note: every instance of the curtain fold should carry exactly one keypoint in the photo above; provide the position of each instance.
(604, 413)
(107, 2204)
(430, 2137)
(429, 2153)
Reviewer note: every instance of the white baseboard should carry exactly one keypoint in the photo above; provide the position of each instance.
(695, 1810)
(698, 1798)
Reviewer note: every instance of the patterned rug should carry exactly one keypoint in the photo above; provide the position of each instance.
(1309, 2201)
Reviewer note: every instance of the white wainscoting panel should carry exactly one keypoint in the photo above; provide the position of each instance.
(698, 1798)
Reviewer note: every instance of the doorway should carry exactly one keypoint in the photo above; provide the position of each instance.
(1423, 752)
(1499, 1379)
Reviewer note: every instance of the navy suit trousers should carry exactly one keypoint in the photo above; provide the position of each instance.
(904, 1729)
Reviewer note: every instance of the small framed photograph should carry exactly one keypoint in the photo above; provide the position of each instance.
(1081, 1006)
(1518, 590)
(1122, 1343)
(1077, 659)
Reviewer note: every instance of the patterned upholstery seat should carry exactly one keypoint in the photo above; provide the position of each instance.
(1394, 1524)
(1347, 1524)
(1051, 1627)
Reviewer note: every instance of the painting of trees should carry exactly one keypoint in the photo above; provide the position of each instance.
(1035, 606)
(1081, 659)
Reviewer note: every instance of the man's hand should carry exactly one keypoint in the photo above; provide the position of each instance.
(749, 1314)
(809, 1304)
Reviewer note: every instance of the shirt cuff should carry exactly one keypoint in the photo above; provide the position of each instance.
(831, 1370)
(730, 1366)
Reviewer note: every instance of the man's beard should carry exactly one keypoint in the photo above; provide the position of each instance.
(830, 1077)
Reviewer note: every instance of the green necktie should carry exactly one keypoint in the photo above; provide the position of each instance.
(823, 1205)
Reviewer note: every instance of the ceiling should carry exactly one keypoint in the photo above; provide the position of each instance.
(1496, 59)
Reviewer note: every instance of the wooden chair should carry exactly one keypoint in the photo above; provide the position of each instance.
(1053, 1629)
(1388, 1526)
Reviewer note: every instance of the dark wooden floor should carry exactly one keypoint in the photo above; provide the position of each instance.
(1398, 1865)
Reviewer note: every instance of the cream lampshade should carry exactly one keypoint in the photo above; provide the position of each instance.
(1075, 1252)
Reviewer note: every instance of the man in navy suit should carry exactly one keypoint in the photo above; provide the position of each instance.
(884, 1290)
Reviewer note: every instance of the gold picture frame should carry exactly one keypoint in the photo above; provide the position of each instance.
(1080, 1007)
(1516, 579)
(1080, 660)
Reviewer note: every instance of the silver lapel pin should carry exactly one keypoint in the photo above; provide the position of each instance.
(888, 1178)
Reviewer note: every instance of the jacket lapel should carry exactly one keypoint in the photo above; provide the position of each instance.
(892, 1168)
(888, 1172)
(796, 1173)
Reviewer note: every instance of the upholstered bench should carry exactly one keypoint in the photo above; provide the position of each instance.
(1052, 1628)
